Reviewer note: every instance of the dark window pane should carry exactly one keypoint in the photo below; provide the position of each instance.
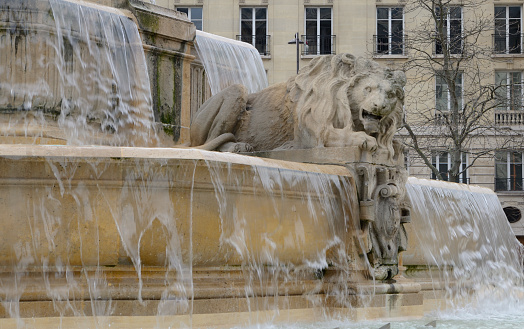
(311, 28)
(514, 12)
(246, 28)
(396, 13)
(455, 12)
(437, 12)
(382, 13)
(325, 28)
(196, 13)
(260, 13)
(396, 28)
(198, 24)
(500, 12)
(325, 13)
(260, 28)
(311, 13)
(246, 13)
(397, 44)
(382, 28)
(183, 10)
(514, 26)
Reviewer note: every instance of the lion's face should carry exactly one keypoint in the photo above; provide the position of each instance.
(372, 98)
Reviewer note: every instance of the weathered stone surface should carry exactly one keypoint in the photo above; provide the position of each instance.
(335, 101)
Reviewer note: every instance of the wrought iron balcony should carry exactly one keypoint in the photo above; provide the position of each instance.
(509, 118)
(318, 44)
(444, 117)
(389, 45)
(507, 43)
(445, 177)
(260, 42)
(508, 184)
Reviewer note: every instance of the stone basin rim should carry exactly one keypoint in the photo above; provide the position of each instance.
(167, 153)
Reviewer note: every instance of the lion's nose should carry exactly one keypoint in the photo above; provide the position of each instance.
(378, 106)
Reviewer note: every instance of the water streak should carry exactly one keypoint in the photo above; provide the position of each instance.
(229, 62)
(75, 65)
(463, 231)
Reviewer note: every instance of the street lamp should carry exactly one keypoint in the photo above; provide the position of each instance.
(296, 41)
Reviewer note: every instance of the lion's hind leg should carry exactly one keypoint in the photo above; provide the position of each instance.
(218, 116)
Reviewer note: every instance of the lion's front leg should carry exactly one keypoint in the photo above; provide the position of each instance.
(346, 137)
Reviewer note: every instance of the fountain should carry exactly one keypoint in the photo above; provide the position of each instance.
(103, 225)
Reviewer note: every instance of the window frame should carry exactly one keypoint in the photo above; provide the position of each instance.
(448, 20)
(254, 28)
(390, 33)
(319, 35)
(435, 161)
(190, 14)
(448, 101)
(510, 105)
(506, 19)
(511, 182)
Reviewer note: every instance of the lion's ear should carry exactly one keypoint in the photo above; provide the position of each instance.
(398, 77)
(348, 59)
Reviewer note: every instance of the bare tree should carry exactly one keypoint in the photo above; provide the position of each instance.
(452, 95)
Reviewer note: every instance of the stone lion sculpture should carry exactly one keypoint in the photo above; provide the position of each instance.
(338, 100)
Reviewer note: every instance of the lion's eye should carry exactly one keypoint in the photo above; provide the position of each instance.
(391, 95)
(368, 89)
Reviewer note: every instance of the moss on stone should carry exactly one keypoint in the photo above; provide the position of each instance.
(148, 21)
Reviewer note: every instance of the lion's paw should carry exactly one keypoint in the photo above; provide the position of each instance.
(366, 142)
(236, 147)
(242, 147)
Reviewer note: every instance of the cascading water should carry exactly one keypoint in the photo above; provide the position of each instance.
(75, 65)
(229, 62)
(463, 231)
(92, 233)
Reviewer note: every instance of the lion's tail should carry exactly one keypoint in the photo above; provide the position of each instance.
(216, 142)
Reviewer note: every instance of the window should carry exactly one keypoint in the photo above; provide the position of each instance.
(509, 90)
(508, 171)
(508, 29)
(444, 99)
(253, 28)
(319, 39)
(194, 14)
(452, 30)
(442, 161)
(390, 31)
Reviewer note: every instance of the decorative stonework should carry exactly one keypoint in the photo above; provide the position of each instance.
(383, 213)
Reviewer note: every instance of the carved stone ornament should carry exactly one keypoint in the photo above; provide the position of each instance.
(383, 212)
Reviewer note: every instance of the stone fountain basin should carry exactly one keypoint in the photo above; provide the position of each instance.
(111, 206)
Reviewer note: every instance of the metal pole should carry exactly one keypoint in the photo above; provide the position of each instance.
(298, 51)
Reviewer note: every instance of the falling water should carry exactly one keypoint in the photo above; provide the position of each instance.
(463, 231)
(229, 62)
(94, 229)
(76, 65)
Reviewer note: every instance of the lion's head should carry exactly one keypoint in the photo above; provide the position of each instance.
(348, 93)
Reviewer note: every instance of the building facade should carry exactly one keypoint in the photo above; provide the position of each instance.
(381, 29)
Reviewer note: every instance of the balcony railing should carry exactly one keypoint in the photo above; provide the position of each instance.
(507, 43)
(389, 45)
(445, 177)
(509, 118)
(318, 44)
(442, 117)
(508, 184)
(260, 42)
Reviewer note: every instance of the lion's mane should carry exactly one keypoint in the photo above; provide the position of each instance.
(322, 92)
